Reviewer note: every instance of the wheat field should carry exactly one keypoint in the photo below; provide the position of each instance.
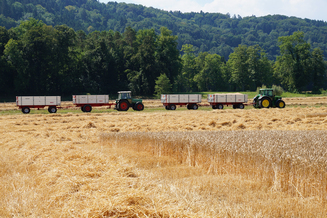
(216, 163)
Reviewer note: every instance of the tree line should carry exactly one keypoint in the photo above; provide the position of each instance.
(38, 59)
(214, 33)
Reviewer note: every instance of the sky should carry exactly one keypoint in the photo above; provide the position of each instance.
(312, 9)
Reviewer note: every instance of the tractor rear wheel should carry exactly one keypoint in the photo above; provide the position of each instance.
(123, 105)
(280, 104)
(265, 103)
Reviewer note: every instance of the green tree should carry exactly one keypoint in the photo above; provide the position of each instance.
(293, 65)
(185, 81)
(163, 85)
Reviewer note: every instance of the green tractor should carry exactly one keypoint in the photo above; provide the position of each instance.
(125, 101)
(267, 98)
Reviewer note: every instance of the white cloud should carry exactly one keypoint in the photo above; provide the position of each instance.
(312, 9)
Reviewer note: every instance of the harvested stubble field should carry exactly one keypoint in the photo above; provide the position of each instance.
(221, 163)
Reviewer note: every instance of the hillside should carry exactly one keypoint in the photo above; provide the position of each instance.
(212, 32)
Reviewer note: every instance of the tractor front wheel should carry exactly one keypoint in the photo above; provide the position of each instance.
(280, 104)
(139, 106)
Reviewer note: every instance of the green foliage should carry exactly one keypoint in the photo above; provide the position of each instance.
(214, 33)
(163, 85)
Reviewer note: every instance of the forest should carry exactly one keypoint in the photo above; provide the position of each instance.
(43, 56)
(215, 33)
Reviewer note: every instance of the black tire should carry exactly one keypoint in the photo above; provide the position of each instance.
(52, 110)
(123, 105)
(220, 106)
(188, 107)
(241, 106)
(172, 107)
(234, 106)
(265, 103)
(26, 110)
(254, 103)
(214, 107)
(139, 106)
(280, 104)
(87, 108)
(195, 106)
(167, 107)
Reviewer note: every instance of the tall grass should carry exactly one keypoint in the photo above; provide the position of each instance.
(293, 162)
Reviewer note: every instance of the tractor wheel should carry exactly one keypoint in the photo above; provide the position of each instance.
(52, 110)
(220, 106)
(214, 106)
(254, 103)
(265, 103)
(139, 106)
(172, 107)
(241, 106)
(26, 110)
(280, 104)
(195, 106)
(123, 105)
(87, 108)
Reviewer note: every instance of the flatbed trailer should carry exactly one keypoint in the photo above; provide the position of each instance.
(190, 100)
(25, 103)
(86, 102)
(217, 101)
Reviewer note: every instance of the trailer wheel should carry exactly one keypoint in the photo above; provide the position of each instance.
(220, 106)
(26, 110)
(172, 107)
(52, 110)
(214, 106)
(82, 109)
(167, 107)
(241, 106)
(87, 108)
(188, 107)
(234, 106)
(195, 106)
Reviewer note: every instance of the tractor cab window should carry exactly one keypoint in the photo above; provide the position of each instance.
(125, 95)
(266, 92)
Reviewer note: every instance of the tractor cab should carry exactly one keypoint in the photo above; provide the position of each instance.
(124, 95)
(266, 92)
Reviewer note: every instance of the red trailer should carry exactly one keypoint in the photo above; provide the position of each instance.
(189, 100)
(86, 102)
(27, 102)
(217, 101)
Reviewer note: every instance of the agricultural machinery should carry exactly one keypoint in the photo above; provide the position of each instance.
(267, 98)
(125, 101)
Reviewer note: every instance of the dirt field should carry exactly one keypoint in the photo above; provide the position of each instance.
(59, 165)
